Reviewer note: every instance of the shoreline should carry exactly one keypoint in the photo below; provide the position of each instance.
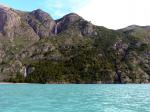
(70, 83)
(12, 83)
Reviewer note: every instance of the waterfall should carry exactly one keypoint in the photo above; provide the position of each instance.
(25, 72)
(56, 29)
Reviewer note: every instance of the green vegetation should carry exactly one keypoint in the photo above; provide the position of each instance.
(80, 53)
(83, 68)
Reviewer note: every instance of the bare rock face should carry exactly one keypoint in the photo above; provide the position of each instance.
(9, 20)
(42, 23)
(72, 17)
(65, 21)
(41, 15)
(38, 23)
(85, 27)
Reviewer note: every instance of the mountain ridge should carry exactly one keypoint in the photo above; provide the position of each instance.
(36, 48)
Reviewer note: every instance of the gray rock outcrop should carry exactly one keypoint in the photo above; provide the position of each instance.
(9, 20)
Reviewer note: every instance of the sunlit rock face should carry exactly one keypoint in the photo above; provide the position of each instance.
(64, 22)
(46, 26)
(9, 20)
(85, 27)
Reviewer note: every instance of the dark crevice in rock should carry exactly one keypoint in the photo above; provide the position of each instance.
(118, 73)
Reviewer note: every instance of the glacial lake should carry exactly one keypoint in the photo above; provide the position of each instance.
(74, 98)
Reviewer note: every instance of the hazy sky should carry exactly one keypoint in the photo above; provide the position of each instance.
(113, 14)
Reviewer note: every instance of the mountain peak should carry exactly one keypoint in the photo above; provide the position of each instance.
(133, 26)
(129, 28)
(71, 17)
(41, 15)
(72, 14)
(2, 6)
(39, 10)
(8, 18)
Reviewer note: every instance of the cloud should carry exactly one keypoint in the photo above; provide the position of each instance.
(116, 13)
(110, 13)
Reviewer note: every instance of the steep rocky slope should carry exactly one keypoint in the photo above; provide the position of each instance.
(36, 48)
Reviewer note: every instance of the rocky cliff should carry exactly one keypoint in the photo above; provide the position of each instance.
(36, 48)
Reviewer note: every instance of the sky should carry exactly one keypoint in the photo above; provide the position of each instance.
(113, 14)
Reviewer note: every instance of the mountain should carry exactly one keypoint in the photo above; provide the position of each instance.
(35, 48)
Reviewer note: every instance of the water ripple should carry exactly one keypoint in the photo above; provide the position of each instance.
(74, 98)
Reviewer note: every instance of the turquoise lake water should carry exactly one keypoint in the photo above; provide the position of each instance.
(74, 98)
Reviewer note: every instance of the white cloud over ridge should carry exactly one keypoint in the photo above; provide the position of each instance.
(116, 14)
(112, 14)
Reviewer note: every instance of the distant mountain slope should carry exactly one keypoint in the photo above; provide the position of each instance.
(38, 49)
